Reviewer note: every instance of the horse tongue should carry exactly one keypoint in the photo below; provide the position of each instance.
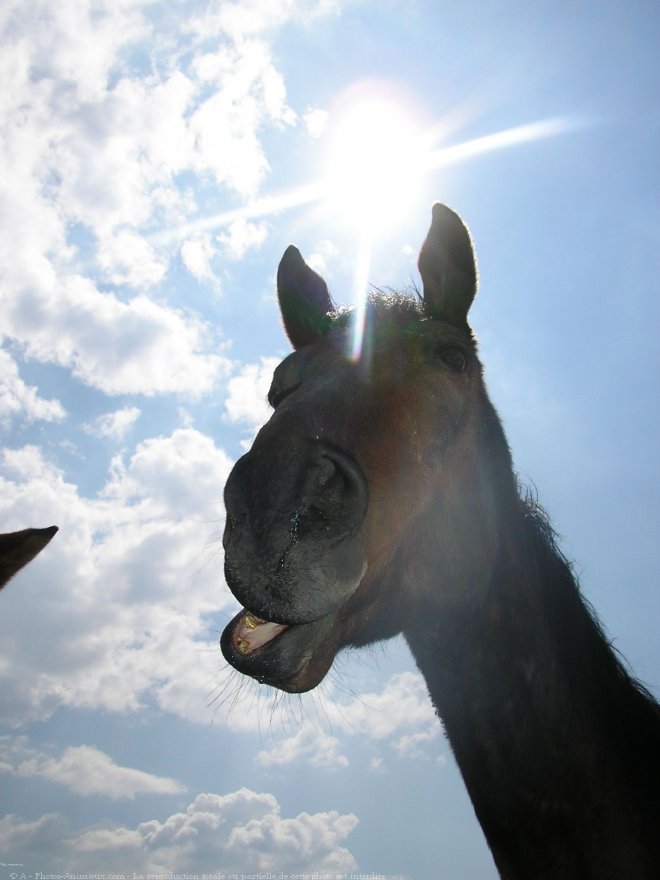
(251, 632)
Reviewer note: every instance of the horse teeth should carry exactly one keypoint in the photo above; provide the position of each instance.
(242, 646)
(251, 621)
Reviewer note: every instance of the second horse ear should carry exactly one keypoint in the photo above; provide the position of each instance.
(304, 299)
(448, 268)
(19, 548)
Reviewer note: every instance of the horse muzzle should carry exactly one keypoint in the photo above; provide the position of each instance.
(292, 547)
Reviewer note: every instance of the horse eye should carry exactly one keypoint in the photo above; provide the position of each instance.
(277, 395)
(455, 358)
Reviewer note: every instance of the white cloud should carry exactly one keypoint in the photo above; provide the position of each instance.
(125, 591)
(246, 401)
(113, 164)
(226, 126)
(410, 744)
(242, 832)
(96, 154)
(196, 254)
(401, 715)
(127, 258)
(310, 745)
(402, 705)
(139, 347)
(67, 43)
(18, 400)
(320, 259)
(114, 425)
(178, 476)
(250, 17)
(316, 122)
(84, 770)
(242, 236)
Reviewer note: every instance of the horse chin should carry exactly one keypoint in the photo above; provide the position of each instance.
(293, 657)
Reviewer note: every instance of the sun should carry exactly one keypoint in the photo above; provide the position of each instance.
(377, 157)
(379, 150)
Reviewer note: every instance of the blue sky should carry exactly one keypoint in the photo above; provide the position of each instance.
(156, 160)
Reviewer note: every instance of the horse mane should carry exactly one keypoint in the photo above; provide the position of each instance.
(546, 544)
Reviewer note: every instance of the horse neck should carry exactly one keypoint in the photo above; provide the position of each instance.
(557, 746)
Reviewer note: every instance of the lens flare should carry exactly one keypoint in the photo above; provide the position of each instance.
(360, 283)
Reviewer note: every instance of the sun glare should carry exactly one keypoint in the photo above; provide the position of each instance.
(379, 152)
(377, 157)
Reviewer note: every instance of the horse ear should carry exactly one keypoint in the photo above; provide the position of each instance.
(448, 268)
(18, 548)
(304, 299)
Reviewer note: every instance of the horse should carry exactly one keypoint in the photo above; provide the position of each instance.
(379, 499)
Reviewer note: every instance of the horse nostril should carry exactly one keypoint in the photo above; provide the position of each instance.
(335, 502)
(339, 501)
(330, 493)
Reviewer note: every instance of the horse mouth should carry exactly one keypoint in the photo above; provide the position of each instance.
(250, 633)
(292, 657)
